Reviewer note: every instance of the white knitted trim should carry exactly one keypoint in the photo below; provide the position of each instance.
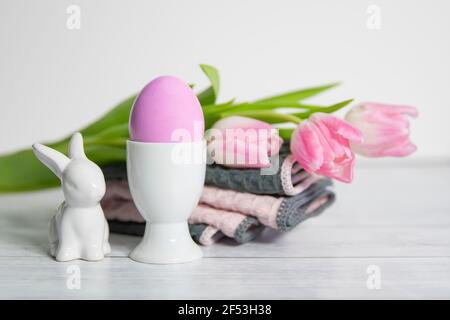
(286, 176)
(210, 236)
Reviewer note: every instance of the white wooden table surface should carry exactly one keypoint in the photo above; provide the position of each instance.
(396, 218)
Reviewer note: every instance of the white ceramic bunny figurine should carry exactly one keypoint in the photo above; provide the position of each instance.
(79, 229)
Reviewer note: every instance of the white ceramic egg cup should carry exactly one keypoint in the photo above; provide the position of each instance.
(166, 190)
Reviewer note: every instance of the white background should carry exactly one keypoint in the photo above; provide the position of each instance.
(54, 80)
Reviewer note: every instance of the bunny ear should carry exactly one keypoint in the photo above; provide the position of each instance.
(53, 159)
(76, 149)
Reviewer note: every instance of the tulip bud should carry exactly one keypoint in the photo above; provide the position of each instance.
(321, 145)
(242, 142)
(385, 129)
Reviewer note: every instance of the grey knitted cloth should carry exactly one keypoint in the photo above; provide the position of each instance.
(196, 231)
(246, 180)
(138, 228)
(242, 180)
(294, 210)
(290, 212)
(249, 229)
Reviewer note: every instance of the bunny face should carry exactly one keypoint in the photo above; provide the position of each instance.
(83, 183)
(82, 180)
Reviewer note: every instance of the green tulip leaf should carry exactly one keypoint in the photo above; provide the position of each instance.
(118, 115)
(22, 171)
(330, 109)
(295, 96)
(210, 94)
(285, 133)
(266, 116)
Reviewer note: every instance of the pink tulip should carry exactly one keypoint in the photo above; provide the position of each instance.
(321, 145)
(385, 129)
(242, 142)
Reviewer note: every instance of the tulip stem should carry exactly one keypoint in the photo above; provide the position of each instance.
(274, 105)
(241, 108)
(259, 106)
(330, 109)
(263, 115)
(215, 108)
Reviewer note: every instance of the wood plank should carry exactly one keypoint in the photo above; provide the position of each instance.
(227, 278)
(305, 241)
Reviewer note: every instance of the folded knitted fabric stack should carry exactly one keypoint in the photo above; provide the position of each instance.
(235, 203)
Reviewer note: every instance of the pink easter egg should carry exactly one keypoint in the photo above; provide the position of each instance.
(165, 110)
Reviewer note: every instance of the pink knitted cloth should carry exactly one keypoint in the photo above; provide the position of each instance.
(224, 211)
(118, 205)
(210, 236)
(265, 208)
(225, 221)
